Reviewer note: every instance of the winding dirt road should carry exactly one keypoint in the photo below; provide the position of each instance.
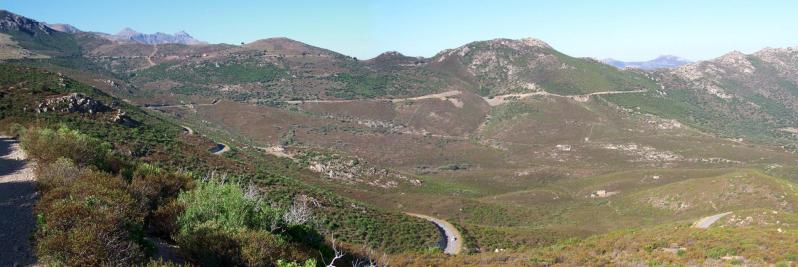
(492, 101)
(220, 149)
(441, 96)
(154, 51)
(706, 222)
(451, 239)
(17, 197)
(501, 99)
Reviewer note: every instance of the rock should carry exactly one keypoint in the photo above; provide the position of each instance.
(122, 118)
(72, 103)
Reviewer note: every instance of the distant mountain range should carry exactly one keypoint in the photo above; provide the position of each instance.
(130, 35)
(661, 62)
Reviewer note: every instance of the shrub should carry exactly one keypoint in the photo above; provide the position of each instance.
(60, 173)
(717, 252)
(209, 246)
(15, 130)
(222, 225)
(261, 248)
(93, 221)
(47, 145)
(212, 204)
(307, 263)
(153, 186)
(163, 221)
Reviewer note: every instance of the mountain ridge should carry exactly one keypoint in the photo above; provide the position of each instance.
(130, 35)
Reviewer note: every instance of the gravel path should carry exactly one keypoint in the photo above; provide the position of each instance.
(451, 239)
(17, 197)
(706, 222)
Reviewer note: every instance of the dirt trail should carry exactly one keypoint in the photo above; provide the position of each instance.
(706, 222)
(492, 101)
(441, 96)
(154, 51)
(17, 197)
(190, 106)
(501, 99)
(220, 149)
(451, 240)
(188, 130)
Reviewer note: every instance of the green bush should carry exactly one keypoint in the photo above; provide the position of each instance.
(218, 206)
(47, 145)
(307, 263)
(153, 187)
(92, 221)
(717, 252)
(261, 248)
(209, 246)
(221, 225)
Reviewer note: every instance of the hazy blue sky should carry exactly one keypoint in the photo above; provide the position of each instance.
(622, 29)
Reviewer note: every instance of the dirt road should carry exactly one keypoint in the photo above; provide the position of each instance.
(706, 222)
(501, 99)
(220, 149)
(17, 197)
(451, 239)
(442, 96)
(152, 55)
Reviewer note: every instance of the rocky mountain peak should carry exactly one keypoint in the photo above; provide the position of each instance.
(182, 33)
(127, 32)
(735, 60)
(66, 28)
(518, 44)
(13, 22)
(535, 42)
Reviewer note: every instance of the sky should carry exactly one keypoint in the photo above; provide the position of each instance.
(621, 29)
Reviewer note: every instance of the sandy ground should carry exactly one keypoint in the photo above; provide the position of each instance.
(17, 197)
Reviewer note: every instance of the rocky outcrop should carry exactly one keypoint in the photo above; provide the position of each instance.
(79, 103)
(64, 28)
(121, 118)
(353, 170)
(72, 103)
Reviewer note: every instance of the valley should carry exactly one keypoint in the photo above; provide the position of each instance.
(511, 148)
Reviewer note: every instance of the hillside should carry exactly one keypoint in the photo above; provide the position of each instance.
(138, 138)
(536, 157)
(736, 96)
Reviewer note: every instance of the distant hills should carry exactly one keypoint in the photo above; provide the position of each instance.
(737, 95)
(127, 35)
(661, 62)
(130, 35)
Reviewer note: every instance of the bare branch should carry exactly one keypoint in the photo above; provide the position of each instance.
(338, 254)
(299, 213)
